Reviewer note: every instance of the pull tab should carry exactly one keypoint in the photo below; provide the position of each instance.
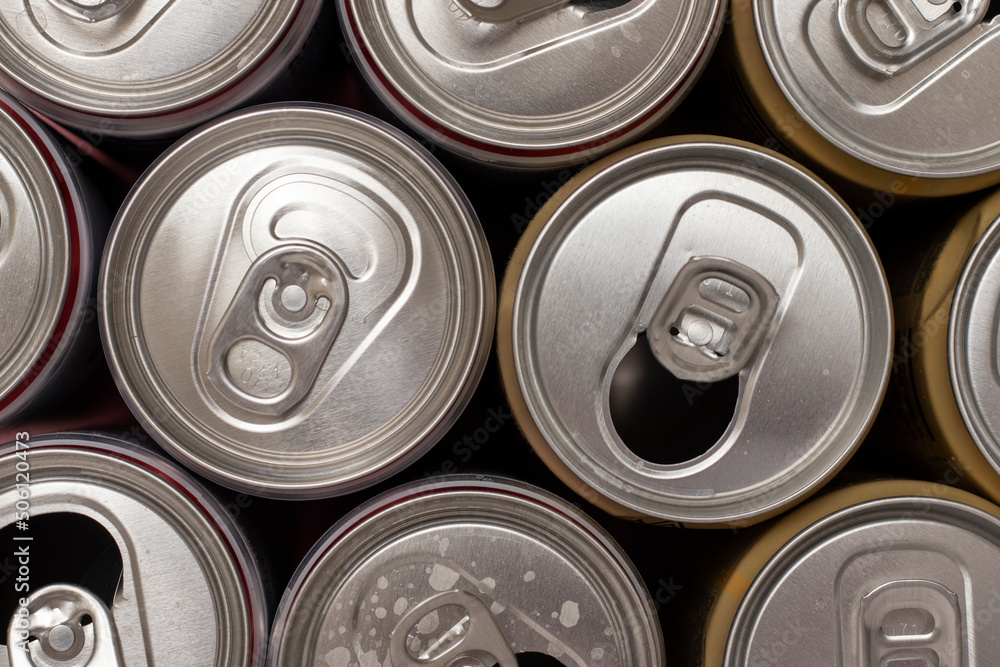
(508, 10)
(276, 333)
(892, 35)
(464, 644)
(913, 623)
(711, 319)
(56, 627)
(92, 11)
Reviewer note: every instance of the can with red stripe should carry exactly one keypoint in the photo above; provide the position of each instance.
(470, 572)
(51, 228)
(147, 68)
(157, 573)
(531, 83)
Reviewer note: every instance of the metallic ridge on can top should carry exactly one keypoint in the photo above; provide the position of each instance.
(289, 259)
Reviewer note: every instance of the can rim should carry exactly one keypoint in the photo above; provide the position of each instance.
(171, 118)
(232, 538)
(543, 153)
(55, 338)
(691, 512)
(968, 291)
(178, 432)
(849, 143)
(814, 535)
(453, 484)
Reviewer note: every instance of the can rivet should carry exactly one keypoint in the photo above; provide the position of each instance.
(711, 319)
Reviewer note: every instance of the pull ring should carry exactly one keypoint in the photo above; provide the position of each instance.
(56, 617)
(476, 633)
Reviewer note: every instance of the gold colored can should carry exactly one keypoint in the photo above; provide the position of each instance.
(711, 266)
(885, 131)
(929, 391)
(879, 573)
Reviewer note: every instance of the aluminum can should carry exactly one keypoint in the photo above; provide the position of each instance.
(143, 69)
(51, 230)
(117, 557)
(944, 387)
(720, 265)
(466, 571)
(893, 95)
(531, 83)
(882, 573)
(297, 301)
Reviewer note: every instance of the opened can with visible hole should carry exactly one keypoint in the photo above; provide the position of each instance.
(51, 228)
(894, 95)
(695, 331)
(157, 572)
(143, 69)
(297, 301)
(941, 404)
(531, 83)
(882, 573)
(466, 571)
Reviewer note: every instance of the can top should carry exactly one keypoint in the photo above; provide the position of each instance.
(734, 263)
(536, 574)
(297, 301)
(528, 82)
(907, 581)
(974, 344)
(36, 248)
(139, 525)
(134, 58)
(905, 85)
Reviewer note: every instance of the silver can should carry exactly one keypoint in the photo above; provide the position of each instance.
(718, 265)
(50, 231)
(531, 83)
(972, 339)
(146, 68)
(466, 571)
(297, 301)
(887, 573)
(905, 87)
(157, 573)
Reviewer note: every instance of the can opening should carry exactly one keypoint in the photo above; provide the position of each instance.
(93, 563)
(663, 419)
(991, 12)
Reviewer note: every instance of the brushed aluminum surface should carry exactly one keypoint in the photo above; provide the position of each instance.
(612, 252)
(900, 581)
(552, 581)
(297, 301)
(139, 68)
(974, 344)
(189, 593)
(563, 82)
(908, 86)
(35, 251)
(48, 231)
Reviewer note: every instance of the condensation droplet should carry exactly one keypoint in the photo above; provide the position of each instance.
(383, 583)
(429, 623)
(529, 576)
(400, 606)
(442, 578)
(487, 584)
(497, 607)
(380, 612)
(597, 653)
(338, 657)
(554, 650)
